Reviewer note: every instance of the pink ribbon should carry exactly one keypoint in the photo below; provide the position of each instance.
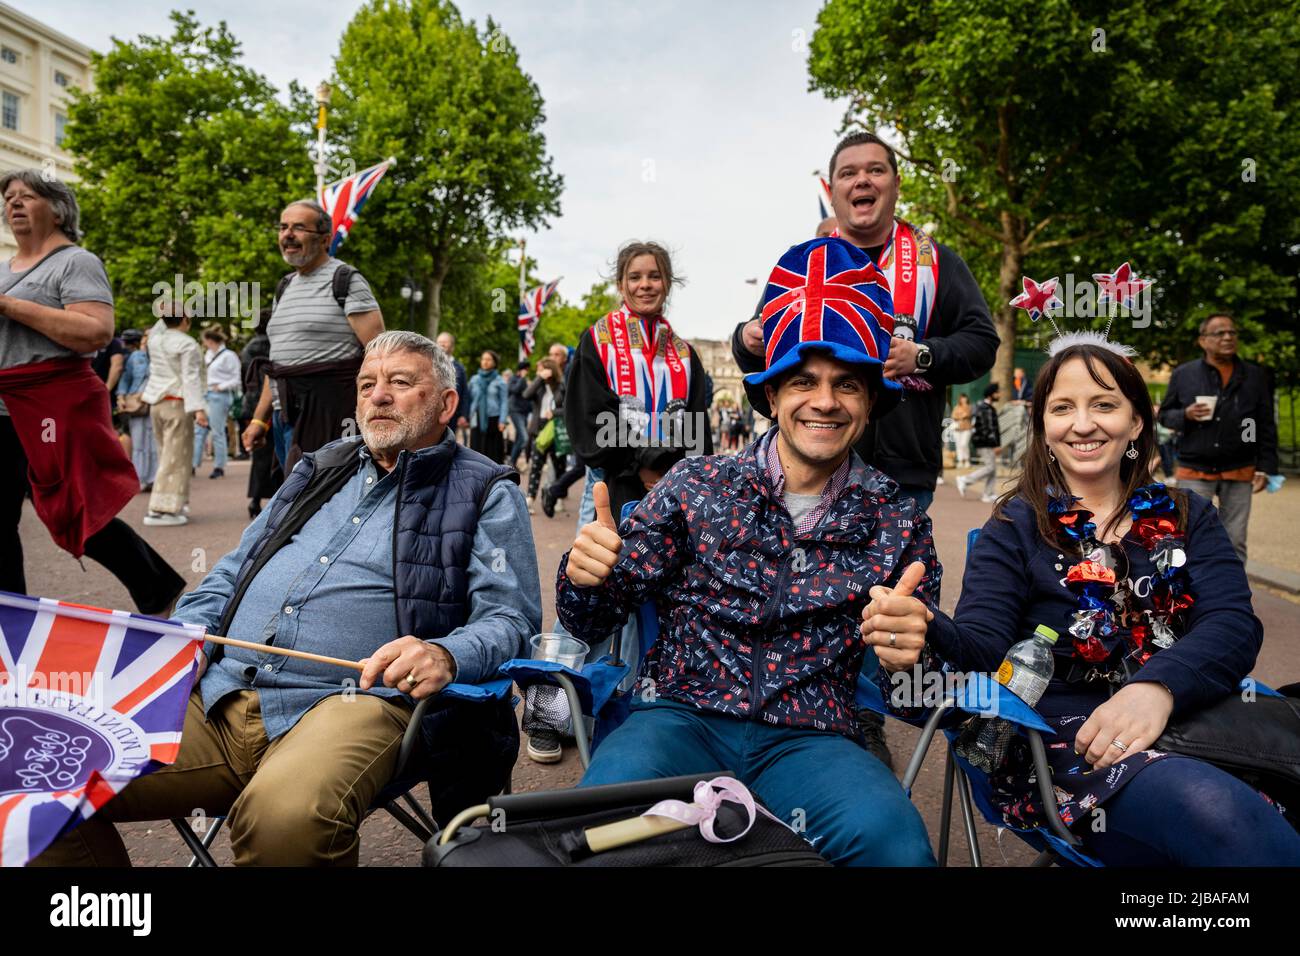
(708, 798)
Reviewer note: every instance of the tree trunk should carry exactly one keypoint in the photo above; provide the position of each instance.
(433, 312)
(1004, 318)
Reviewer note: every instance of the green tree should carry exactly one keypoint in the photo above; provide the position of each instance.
(565, 322)
(1065, 137)
(415, 81)
(185, 159)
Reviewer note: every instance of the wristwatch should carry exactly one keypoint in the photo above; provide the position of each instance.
(924, 357)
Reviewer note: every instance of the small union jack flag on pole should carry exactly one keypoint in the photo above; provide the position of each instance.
(823, 197)
(89, 700)
(530, 313)
(343, 200)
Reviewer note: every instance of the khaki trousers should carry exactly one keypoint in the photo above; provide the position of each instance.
(294, 801)
(173, 432)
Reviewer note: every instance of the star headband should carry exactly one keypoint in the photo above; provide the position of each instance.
(1120, 287)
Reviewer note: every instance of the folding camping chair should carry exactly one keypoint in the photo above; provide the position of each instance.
(593, 690)
(408, 775)
(1055, 843)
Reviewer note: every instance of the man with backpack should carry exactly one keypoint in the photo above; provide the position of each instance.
(323, 315)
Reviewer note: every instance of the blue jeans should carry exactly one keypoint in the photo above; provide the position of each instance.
(922, 496)
(281, 437)
(218, 410)
(1185, 812)
(851, 807)
(587, 510)
(521, 436)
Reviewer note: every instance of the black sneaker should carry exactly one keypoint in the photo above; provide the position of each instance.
(873, 736)
(217, 473)
(544, 746)
(548, 502)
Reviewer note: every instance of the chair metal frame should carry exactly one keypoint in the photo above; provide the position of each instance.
(955, 777)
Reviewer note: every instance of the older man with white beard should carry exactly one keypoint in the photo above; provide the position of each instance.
(401, 548)
(322, 316)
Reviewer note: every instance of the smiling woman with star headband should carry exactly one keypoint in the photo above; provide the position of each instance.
(1156, 622)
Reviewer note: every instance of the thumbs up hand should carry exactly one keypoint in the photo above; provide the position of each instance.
(597, 547)
(895, 622)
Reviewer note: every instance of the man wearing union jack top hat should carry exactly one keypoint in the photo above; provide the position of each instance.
(773, 573)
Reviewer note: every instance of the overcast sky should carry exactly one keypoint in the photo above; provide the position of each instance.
(686, 122)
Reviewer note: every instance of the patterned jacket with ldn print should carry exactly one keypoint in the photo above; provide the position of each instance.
(755, 621)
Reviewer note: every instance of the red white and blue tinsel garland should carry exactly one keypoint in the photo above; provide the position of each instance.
(1155, 527)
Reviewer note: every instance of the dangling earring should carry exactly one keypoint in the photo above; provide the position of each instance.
(1132, 451)
(1050, 456)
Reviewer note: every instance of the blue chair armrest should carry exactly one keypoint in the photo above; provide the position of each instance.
(495, 689)
(979, 694)
(595, 683)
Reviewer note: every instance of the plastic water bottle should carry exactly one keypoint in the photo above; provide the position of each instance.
(1026, 672)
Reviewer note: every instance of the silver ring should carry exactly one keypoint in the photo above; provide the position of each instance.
(410, 679)
(1116, 743)
(893, 639)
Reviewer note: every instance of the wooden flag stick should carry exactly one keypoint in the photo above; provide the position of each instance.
(634, 830)
(272, 649)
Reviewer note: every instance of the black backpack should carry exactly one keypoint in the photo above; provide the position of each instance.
(338, 285)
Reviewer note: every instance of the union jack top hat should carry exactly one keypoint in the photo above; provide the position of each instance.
(826, 295)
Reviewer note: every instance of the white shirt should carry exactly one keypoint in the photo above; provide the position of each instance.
(225, 374)
(175, 368)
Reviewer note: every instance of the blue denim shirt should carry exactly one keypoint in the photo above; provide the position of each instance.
(329, 591)
(134, 374)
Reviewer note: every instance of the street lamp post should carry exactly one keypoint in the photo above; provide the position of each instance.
(413, 295)
(322, 101)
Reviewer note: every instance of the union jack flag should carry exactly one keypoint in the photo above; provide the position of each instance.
(831, 303)
(90, 700)
(823, 197)
(343, 200)
(530, 313)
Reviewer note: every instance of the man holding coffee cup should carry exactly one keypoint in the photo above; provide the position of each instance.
(1223, 406)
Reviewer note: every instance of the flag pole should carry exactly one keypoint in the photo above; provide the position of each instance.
(322, 102)
(523, 283)
(283, 651)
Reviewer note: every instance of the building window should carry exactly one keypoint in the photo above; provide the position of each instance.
(61, 78)
(8, 55)
(60, 127)
(9, 110)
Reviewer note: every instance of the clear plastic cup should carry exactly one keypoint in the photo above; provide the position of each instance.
(561, 648)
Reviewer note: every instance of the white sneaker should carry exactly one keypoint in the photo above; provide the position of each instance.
(989, 498)
(961, 486)
(940, 480)
(158, 519)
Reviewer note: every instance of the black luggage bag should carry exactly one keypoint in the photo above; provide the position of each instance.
(549, 829)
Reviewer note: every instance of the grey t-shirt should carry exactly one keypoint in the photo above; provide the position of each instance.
(800, 505)
(70, 275)
(307, 326)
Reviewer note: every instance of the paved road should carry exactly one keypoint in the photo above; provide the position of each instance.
(219, 515)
